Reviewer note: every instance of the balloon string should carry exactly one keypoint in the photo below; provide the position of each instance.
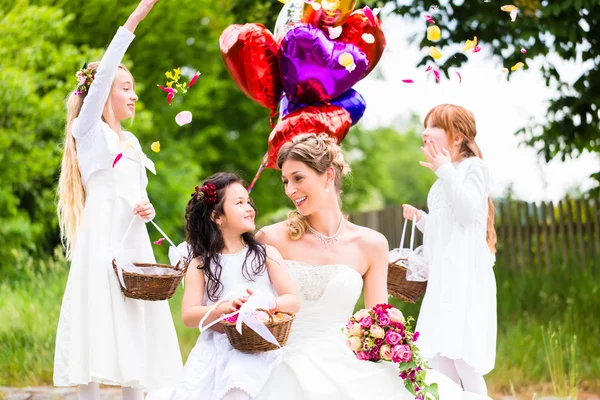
(260, 169)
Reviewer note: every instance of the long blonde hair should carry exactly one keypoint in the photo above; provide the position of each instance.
(71, 192)
(460, 122)
(318, 152)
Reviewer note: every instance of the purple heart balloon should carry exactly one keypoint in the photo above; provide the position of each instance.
(310, 70)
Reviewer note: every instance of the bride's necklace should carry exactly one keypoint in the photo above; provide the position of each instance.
(326, 240)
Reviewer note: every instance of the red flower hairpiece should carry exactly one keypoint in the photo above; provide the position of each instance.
(207, 194)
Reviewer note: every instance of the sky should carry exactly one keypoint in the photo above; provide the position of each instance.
(501, 108)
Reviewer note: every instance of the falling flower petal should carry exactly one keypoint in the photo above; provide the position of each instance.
(509, 8)
(335, 32)
(159, 241)
(408, 81)
(437, 74)
(369, 14)
(183, 118)
(476, 49)
(435, 53)
(167, 89)
(433, 33)
(155, 147)
(368, 38)
(513, 15)
(523, 51)
(284, 1)
(117, 158)
(376, 11)
(429, 68)
(505, 70)
(346, 59)
(170, 97)
(517, 66)
(194, 79)
(470, 44)
(429, 19)
(316, 6)
(459, 77)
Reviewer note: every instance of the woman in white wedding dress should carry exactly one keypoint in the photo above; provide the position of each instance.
(331, 260)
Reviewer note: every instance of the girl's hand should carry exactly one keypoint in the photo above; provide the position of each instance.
(144, 210)
(410, 212)
(435, 157)
(142, 10)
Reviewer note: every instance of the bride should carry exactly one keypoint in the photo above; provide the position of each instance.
(332, 260)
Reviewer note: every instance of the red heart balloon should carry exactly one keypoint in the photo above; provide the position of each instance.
(329, 119)
(250, 54)
(353, 30)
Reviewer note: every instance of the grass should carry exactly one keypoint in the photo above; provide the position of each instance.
(527, 302)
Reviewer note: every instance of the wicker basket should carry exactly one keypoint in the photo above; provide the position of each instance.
(250, 342)
(399, 287)
(151, 287)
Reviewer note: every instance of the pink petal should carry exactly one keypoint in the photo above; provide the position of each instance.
(183, 118)
(194, 79)
(437, 74)
(167, 90)
(429, 19)
(476, 49)
(459, 77)
(159, 241)
(428, 69)
(117, 158)
(408, 81)
(170, 97)
(369, 14)
(335, 32)
(523, 51)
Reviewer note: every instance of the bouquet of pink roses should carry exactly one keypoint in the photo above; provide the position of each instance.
(382, 333)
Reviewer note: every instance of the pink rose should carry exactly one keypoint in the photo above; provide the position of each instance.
(366, 322)
(377, 331)
(401, 353)
(396, 315)
(392, 338)
(363, 355)
(384, 320)
(385, 352)
(354, 343)
(360, 314)
(354, 330)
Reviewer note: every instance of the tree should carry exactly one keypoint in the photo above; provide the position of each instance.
(567, 28)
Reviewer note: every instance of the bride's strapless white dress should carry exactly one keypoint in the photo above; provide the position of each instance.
(316, 363)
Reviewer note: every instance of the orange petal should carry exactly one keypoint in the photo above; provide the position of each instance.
(509, 8)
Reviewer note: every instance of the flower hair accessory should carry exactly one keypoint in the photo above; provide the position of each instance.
(85, 77)
(206, 194)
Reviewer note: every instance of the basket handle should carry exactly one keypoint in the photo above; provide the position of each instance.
(412, 234)
(268, 313)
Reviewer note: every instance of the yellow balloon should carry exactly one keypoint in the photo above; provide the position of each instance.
(326, 13)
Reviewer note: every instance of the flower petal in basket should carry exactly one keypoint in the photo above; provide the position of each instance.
(248, 315)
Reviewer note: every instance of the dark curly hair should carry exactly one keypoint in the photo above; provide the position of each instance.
(206, 241)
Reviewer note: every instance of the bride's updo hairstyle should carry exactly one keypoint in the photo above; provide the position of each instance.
(318, 152)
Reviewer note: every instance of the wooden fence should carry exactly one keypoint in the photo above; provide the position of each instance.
(530, 235)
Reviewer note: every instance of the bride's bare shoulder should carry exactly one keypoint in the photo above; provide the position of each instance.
(273, 234)
(369, 238)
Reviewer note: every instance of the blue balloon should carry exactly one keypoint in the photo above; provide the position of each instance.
(350, 100)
